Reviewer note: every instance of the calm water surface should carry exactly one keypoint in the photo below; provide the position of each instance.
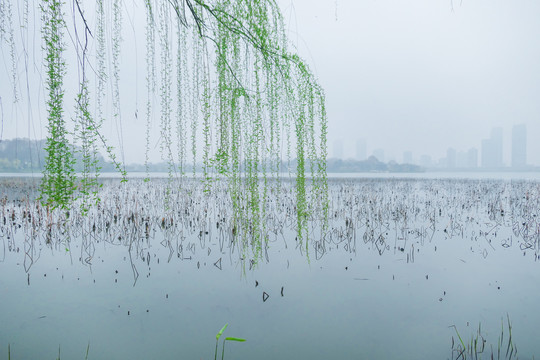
(405, 259)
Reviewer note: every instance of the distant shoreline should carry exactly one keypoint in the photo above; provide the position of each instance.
(427, 175)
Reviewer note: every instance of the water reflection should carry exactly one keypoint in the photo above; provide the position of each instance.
(401, 260)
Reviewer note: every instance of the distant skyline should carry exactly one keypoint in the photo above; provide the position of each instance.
(418, 76)
(492, 152)
(423, 75)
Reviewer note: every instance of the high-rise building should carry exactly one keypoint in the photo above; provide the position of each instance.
(472, 158)
(519, 146)
(492, 149)
(361, 149)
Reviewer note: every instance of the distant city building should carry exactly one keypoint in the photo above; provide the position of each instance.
(492, 149)
(361, 149)
(338, 149)
(519, 146)
(407, 157)
(451, 160)
(472, 158)
(379, 154)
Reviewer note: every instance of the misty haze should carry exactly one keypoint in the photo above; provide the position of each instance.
(291, 179)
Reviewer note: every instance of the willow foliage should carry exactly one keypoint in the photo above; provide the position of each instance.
(231, 95)
(58, 184)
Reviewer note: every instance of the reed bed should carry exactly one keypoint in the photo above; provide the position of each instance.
(397, 216)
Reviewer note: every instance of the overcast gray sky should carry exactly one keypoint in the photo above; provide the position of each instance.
(424, 75)
(417, 75)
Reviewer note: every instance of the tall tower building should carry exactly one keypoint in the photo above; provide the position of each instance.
(519, 146)
(492, 149)
(472, 158)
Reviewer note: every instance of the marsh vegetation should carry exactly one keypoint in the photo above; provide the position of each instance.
(305, 266)
(407, 258)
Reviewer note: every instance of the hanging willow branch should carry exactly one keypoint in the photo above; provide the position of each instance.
(264, 85)
(239, 101)
(58, 184)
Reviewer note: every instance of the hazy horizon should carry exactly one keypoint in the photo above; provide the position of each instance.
(418, 75)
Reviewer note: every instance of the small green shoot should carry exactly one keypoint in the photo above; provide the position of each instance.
(221, 331)
(217, 339)
(226, 339)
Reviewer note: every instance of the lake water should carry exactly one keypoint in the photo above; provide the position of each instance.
(403, 261)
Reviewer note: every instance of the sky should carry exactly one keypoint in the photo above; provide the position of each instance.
(405, 75)
(423, 75)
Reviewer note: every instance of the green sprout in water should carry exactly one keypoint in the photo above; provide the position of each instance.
(226, 339)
